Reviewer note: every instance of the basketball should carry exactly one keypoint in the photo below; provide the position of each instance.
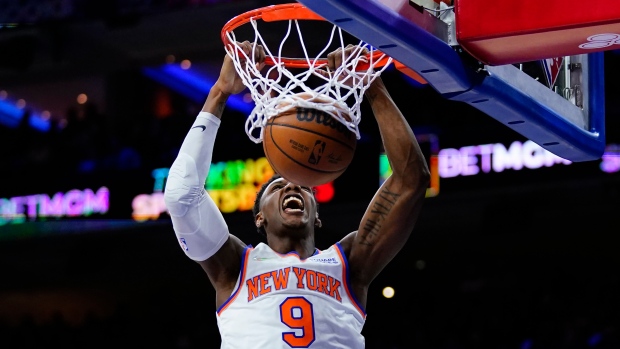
(308, 146)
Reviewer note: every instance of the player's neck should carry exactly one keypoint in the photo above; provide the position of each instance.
(283, 245)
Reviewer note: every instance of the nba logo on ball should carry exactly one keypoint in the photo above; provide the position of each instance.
(317, 151)
(308, 146)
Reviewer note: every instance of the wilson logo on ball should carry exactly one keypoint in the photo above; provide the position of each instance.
(322, 118)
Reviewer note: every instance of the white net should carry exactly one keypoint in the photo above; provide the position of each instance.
(278, 85)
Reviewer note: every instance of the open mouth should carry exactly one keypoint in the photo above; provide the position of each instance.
(293, 203)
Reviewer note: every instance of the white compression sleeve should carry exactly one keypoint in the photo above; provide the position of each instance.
(197, 221)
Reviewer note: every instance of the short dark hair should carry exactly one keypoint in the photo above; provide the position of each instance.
(259, 195)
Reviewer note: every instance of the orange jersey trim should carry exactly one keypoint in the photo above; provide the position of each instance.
(345, 273)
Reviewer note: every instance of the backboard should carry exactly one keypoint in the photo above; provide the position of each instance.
(562, 110)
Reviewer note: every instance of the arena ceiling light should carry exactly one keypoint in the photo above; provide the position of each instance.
(11, 115)
(193, 84)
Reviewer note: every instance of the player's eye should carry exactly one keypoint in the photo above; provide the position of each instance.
(308, 189)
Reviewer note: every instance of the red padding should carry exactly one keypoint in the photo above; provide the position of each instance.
(507, 32)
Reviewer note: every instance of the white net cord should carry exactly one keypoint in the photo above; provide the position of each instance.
(278, 84)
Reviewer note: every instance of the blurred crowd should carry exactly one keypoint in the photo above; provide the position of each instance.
(86, 141)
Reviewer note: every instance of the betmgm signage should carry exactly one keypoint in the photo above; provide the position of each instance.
(233, 185)
(41, 207)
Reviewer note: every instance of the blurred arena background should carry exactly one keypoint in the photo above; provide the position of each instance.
(518, 249)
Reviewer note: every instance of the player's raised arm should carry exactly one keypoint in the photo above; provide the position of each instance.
(229, 82)
(198, 224)
(393, 211)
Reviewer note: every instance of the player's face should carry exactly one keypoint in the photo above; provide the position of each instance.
(286, 206)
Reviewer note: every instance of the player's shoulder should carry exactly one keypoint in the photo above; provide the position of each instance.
(347, 242)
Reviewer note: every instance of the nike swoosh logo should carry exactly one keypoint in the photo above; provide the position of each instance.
(203, 127)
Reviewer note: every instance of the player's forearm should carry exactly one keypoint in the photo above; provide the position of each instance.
(216, 101)
(189, 170)
(400, 144)
(197, 221)
(199, 143)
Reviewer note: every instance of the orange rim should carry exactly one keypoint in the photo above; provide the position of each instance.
(286, 12)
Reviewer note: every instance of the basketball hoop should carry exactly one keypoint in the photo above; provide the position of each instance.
(278, 85)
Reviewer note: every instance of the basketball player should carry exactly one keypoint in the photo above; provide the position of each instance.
(287, 293)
